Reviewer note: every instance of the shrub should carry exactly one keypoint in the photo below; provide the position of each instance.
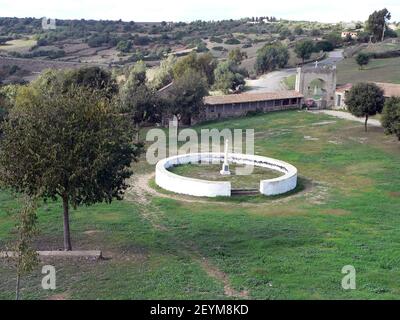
(232, 41)
(216, 40)
(324, 45)
(219, 48)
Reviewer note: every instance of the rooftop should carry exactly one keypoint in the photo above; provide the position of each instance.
(389, 89)
(344, 88)
(251, 97)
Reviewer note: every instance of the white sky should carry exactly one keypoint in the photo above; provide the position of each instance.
(188, 10)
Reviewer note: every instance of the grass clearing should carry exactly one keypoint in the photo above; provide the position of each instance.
(211, 172)
(378, 70)
(18, 45)
(290, 82)
(293, 248)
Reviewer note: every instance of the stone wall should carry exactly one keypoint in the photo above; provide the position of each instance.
(203, 188)
(241, 109)
(327, 75)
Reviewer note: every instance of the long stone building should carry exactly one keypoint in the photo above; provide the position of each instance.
(235, 105)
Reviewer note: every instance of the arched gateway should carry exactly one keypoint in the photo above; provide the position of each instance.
(317, 83)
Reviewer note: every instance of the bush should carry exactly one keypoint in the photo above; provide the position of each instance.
(219, 48)
(362, 59)
(232, 41)
(384, 55)
(141, 40)
(324, 45)
(97, 41)
(216, 40)
(124, 46)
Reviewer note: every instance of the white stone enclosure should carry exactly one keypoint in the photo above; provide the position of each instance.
(203, 188)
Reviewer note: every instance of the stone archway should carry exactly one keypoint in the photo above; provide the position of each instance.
(317, 83)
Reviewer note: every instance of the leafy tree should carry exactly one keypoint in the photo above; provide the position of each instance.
(124, 46)
(70, 144)
(4, 106)
(138, 74)
(298, 30)
(363, 37)
(377, 23)
(324, 45)
(271, 57)
(304, 49)
(207, 65)
(185, 99)
(228, 76)
(391, 116)
(141, 40)
(315, 32)
(93, 78)
(164, 73)
(390, 33)
(7, 98)
(23, 255)
(362, 59)
(364, 100)
(284, 33)
(334, 38)
(203, 64)
(98, 40)
(237, 56)
(139, 101)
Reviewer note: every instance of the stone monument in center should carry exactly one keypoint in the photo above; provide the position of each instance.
(225, 166)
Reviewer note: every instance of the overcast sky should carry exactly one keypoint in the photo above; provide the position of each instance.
(188, 10)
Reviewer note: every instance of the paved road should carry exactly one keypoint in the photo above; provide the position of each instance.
(348, 116)
(272, 81)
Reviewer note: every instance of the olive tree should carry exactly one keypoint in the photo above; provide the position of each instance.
(68, 144)
(391, 116)
(138, 101)
(271, 57)
(364, 100)
(304, 49)
(362, 59)
(185, 99)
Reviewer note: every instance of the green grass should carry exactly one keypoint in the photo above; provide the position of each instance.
(288, 248)
(211, 172)
(18, 45)
(381, 47)
(378, 70)
(290, 82)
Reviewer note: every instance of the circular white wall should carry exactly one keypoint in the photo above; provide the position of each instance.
(203, 188)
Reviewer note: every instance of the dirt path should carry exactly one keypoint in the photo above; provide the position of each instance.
(348, 116)
(140, 192)
(272, 81)
(220, 276)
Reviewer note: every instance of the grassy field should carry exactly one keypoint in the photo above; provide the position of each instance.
(381, 47)
(379, 70)
(290, 82)
(211, 172)
(286, 248)
(19, 45)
